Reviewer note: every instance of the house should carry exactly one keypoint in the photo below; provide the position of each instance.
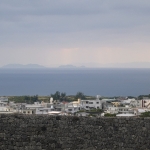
(112, 110)
(120, 110)
(36, 108)
(135, 103)
(4, 99)
(145, 103)
(139, 111)
(72, 108)
(107, 103)
(4, 108)
(91, 104)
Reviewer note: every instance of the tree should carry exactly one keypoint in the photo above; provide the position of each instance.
(63, 97)
(34, 98)
(80, 95)
(56, 96)
(59, 96)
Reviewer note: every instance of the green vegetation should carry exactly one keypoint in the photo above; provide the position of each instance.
(145, 114)
(96, 110)
(59, 96)
(56, 96)
(24, 99)
(141, 96)
(80, 95)
(110, 115)
(69, 98)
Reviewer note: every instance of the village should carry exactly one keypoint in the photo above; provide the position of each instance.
(94, 108)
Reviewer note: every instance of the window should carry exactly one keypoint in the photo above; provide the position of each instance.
(87, 106)
(69, 109)
(90, 102)
(87, 102)
(97, 102)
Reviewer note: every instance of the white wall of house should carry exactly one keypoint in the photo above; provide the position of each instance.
(112, 110)
(146, 103)
(138, 112)
(122, 110)
(4, 99)
(72, 109)
(136, 103)
(42, 110)
(4, 109)
(91, 104)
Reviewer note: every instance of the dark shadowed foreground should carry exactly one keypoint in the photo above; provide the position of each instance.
(42, 132)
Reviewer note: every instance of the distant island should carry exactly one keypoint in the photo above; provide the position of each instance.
(70, 66)
(23, 66)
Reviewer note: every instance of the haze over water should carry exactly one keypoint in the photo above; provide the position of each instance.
(105, 82)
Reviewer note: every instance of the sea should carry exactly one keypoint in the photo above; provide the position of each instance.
(105, 82)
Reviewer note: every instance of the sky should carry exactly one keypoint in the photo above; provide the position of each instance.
(92, 33)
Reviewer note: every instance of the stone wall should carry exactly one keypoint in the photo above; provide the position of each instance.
(43, 132)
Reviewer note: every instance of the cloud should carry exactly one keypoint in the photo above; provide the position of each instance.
(45, 27)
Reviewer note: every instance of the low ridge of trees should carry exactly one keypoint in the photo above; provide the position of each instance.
(63, 97)
(59, 96)
(80, 95)
(141, 96)
(24, 99)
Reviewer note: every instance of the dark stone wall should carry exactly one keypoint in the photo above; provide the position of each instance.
(43, 132)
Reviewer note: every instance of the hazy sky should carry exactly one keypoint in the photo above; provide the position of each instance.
(83, 32)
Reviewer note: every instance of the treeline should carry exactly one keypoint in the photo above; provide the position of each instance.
(141, 96)
(24, 99)
(61, 96)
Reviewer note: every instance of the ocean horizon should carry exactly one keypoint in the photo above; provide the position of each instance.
(91, 81)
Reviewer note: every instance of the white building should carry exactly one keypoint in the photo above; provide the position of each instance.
(36, 108)
(135, 103)
(145, 103)
(139, 111)
(112, 110)
(4, 99)
(73, 107)
(91, 104)
(120, 110)
(4, 108)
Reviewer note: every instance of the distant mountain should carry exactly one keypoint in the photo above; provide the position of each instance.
(23, 66)
(117, 65)
(71, 66)
(129, 65)
(67, 66)
(82, 67)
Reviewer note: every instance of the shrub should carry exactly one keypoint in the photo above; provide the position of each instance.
(110, 115)
(145, 114)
